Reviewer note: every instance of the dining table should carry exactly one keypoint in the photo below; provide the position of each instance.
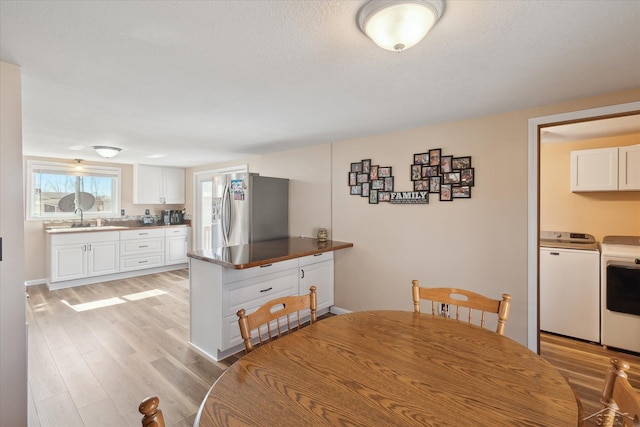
(390, 368)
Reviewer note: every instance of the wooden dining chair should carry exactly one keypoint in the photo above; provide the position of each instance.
(620, 401)
(267, 320)
(443, 298)
(152, 415)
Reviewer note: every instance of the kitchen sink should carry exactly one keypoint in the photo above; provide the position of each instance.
(87, 228)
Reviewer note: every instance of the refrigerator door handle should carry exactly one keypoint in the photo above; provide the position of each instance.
(226, 213)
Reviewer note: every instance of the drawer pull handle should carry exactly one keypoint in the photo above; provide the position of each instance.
(266, 290)
(142, 262)
(302, 274)
(266, 265)
(317, 255)
(143, 246)
(555, 253)
(142, 234)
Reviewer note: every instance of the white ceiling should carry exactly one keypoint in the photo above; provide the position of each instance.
(198, 82)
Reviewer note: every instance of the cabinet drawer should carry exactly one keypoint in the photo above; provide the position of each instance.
(143, 261)
(176, 232)
(84, 237)
(232, 275)
(252, 293)
(142, 246)
(312, 259)
(141, 234)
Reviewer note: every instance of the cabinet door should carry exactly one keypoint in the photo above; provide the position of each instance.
(68, 262)
(629, 168)
(594, 170)
(103, 258)
(174, 190)
(176, 250)
(147, 184)
(319, 275)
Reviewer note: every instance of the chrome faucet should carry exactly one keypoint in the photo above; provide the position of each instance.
(81, 216)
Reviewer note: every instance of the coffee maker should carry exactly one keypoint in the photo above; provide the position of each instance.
(176, 217)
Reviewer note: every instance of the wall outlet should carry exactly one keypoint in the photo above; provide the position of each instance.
(146, 211)
(121, 212)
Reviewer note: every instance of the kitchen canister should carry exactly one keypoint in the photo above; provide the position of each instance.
(322, 234)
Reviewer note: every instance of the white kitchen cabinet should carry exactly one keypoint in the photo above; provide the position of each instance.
(606, 169)
(158, 185)
(140, 249)
(317, 270)
(176, 243)
(80, 255)
(629, 168)
(217, 293)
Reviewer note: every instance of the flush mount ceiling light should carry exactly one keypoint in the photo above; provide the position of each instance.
(399, 25)
(106, 151)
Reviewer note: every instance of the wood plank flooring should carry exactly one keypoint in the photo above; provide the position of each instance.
(96, 351)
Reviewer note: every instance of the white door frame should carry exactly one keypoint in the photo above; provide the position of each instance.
(198, 177)
(533, 328)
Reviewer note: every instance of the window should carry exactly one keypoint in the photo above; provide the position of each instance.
(57, 190)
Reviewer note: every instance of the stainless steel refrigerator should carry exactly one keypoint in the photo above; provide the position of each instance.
(247, 208)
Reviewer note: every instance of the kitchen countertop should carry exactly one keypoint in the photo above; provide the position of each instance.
(68, 229)
(262, 253)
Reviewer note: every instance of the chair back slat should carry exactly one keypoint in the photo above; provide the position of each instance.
(279, 316)
(443, 298)
(620, 401)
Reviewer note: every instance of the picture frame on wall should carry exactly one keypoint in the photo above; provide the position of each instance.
(421, 159)
(377, 184)
(365, 189)
(373, 174)
(445, 193)
(384, 171)
(352, 178)
(445, 164)
(384, 196)
(356, 190)
(461, 192)
(373, 197)
(388, 183)
(356, 167)
(434, 184)
(429, 171)
(362, 177)
(466, 177)
(366, 165)
(461, 162)
(451, 178)
(434, 157)
(422, 185)
(416, 172)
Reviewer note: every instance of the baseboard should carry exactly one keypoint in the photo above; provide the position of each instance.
(35, 282)
(116, 276)
(338, 310)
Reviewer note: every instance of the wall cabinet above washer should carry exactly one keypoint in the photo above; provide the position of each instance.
(606, 169)
(158, 185)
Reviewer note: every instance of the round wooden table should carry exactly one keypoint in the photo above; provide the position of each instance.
(390, 368)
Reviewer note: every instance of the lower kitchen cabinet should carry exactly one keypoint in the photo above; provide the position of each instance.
(217, 293)
(176, 243)
(76, 256)
(317, 270)
(140, 249)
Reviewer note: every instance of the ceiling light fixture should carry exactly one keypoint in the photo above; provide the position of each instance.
(399, 25)
(106, 151)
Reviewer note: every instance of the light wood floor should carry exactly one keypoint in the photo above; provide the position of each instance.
(91, 365)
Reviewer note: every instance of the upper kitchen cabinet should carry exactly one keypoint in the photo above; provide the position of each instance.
(606, 169)
(629, 167)
(158, 185)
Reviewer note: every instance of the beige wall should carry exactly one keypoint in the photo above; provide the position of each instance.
(597, 213)
(35, 271)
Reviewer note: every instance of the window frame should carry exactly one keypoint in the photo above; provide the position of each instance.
(87, 170)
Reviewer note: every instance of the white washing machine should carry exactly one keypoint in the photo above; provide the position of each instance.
(570, 285)
(621, 292)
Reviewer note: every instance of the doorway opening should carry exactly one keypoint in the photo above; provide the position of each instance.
(536, 126)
